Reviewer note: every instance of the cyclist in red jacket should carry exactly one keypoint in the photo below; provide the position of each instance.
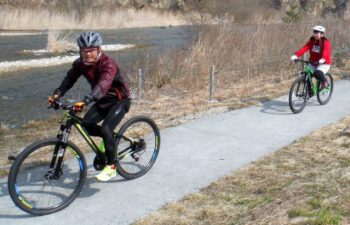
(108, 90)
(320, 54)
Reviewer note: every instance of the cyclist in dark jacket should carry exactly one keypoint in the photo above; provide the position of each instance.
(108, 90)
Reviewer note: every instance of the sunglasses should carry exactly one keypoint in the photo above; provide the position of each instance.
(87, 50)
(317, 32)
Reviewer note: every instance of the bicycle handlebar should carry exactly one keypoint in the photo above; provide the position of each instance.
(302, 61)
(308, 62)
(57, 102)
(75, 107)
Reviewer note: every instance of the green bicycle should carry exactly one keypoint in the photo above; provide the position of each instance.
(49, 174)
(304, 87)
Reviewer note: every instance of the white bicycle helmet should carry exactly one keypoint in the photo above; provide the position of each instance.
(89, 39)
(319, 29)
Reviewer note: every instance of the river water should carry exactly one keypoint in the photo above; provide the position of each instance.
(23, 94)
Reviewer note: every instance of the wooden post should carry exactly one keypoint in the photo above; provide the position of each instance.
(139, 84)
(212, 83)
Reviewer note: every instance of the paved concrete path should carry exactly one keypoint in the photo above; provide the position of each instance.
(192, 156)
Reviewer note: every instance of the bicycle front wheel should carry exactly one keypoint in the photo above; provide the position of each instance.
(298, 95)
(37, 186)
(325, 95)
(138, 145)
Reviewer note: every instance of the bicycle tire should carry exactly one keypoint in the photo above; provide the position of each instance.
(25, 204)
(120, 166)
(324, 102)
(298, 83)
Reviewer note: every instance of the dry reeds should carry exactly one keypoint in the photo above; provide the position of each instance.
(43, 19)
(247, 57)
(57, 42)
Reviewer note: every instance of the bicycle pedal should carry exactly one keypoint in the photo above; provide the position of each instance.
(135, 157)
(11, 158)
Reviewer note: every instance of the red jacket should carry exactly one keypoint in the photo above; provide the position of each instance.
(104, 77)
(318, 49)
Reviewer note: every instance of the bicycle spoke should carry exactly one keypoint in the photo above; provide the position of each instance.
(135, 158)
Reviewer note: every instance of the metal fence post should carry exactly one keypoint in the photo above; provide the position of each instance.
(212, 83)
(139, 84)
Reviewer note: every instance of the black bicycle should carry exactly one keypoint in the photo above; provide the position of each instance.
(304, 87)
(49, 174)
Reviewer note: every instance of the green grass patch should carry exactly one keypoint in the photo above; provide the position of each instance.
(3, 172)
(242, 201)
(314, 203)
(344, 161)
(299, 212)
(326, 217)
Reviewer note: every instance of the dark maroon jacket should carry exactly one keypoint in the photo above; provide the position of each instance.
(104, 77)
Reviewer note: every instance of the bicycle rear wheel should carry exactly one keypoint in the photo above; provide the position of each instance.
(298, 95)
(34, 184)
(138, 145)
(325, 95)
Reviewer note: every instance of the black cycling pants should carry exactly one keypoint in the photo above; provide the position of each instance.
(111, 117)
(319, 75)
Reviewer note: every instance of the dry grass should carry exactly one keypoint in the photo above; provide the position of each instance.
(306, 182)
(57, 42)
(43, 19)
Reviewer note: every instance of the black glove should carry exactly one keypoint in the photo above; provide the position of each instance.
(88, 99)
(57, 93)
(55, 96)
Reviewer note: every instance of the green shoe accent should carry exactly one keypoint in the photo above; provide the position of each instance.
(107, 173)
(101, 146)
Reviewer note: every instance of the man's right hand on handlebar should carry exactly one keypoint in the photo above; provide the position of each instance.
(55, 96)
(52, 101)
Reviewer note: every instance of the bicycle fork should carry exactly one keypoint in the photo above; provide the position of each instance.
(56, 164)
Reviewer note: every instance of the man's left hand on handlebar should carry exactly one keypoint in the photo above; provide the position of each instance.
(78, 106)
(88, 99)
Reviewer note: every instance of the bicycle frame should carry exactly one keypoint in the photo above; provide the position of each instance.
(308, 73)
(79, 124)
